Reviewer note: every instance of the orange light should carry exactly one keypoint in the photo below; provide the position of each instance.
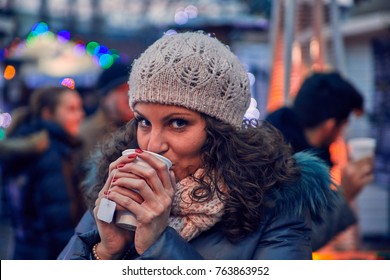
(339, 157)
(69, 83)
(9, 72)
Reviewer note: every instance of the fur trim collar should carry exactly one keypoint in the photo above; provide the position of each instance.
(313, 190)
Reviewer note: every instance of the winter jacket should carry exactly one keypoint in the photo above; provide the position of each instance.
(44, 201)
(341, 216)
(284, 231)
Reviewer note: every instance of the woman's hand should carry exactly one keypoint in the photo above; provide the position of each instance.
(114, 240)
(147, 191)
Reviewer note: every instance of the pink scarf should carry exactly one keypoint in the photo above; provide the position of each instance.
(190, 218)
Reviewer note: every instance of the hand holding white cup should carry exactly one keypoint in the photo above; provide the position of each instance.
(125, 219)
(361, 147)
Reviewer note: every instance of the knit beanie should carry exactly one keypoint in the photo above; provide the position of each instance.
(194, 71)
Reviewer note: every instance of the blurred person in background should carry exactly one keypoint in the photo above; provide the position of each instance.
(22, 147)
(318, 116)
(234, 190)
(112, 112)
(42, 191)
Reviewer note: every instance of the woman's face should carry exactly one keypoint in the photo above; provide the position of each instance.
(69, 112)
(174, 132)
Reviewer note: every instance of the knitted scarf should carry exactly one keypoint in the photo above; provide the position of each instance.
(190, 218)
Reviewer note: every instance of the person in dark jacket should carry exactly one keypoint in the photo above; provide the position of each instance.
(113, 111)
(234, 191)
(317, 117)
(44, 199)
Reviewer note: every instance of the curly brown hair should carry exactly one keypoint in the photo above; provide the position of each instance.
(249, 161)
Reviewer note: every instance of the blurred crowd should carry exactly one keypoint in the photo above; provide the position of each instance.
(43, 160)
(52, 139)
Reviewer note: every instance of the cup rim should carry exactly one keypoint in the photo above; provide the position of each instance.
(366, 140)
(164, 159)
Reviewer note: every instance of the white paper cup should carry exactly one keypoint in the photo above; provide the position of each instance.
(123, 218)
(361, 147)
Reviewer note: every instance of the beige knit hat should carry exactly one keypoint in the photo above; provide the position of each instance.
(195, 71)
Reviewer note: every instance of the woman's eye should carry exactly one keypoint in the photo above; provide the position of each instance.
(179, 123)
(143, 122)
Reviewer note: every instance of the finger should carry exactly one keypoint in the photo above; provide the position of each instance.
(148, 174)
(144, 213)
(125, 202)
(108, 183)
(161, 169)
(126, 191)
(121, 173)
(159, 165)
(137, 189)
(122, 161)
(152, 203)
(115, 173)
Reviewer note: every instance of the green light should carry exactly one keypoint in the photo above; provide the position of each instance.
(2, 134)
(106, 61)
(41, 27)
(91, 46)
(114, 52)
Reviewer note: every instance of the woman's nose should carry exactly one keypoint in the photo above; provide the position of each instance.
(157, 143)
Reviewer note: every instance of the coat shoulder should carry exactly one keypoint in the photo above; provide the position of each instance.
(312, 191)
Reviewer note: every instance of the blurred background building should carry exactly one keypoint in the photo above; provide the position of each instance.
(279, 42)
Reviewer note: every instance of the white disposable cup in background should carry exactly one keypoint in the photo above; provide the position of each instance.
(361, 147)
(125, 219)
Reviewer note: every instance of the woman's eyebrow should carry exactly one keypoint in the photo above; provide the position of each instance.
(172, 115)
(167, 117)
(137, 114)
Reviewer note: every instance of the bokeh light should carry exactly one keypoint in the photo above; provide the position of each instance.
(79, 49)
(91, 47)
(3, 53)
(251, 78)
(2, 134)
(181, 17)
(63, 36)
(5, 120)
(106, 60)
(40, 34)
(170, 32)
(69, 83)
(191, 11)
(114, 53)
(9, 72)
(40, 28)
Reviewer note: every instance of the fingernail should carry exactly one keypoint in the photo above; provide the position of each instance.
(120, 165)
(132, 156)
(139, 151)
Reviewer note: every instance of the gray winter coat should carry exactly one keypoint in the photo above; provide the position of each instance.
(283, 233)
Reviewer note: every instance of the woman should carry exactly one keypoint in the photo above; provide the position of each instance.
(233, 192)
(43, 196)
